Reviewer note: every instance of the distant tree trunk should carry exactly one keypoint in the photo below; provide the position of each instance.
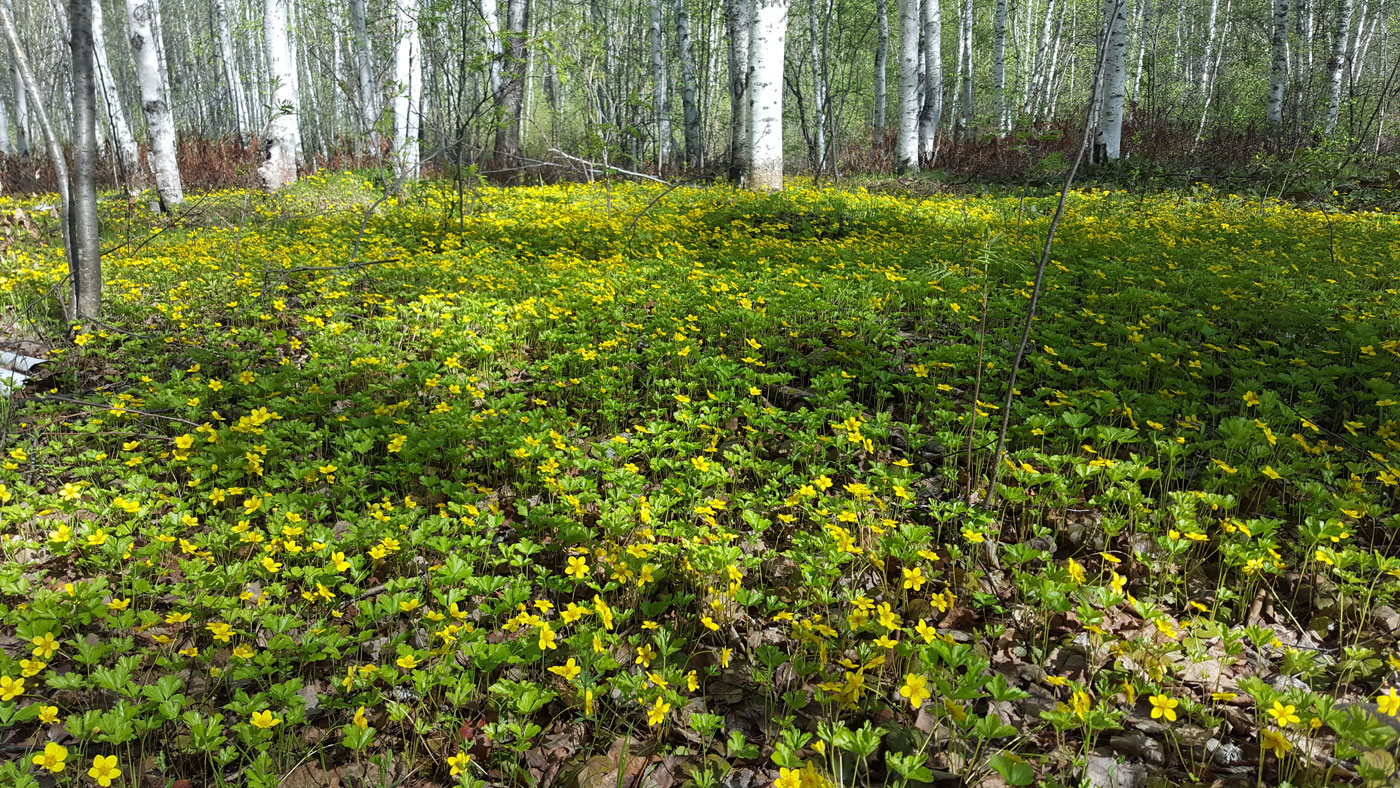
(1145, 17)
(491, 19)
(366, 95)
(510, 100)
(281, 139)
(931, 115)
(965, 71)
(1278, 63)
(1108, 142)
(690, 110)
(766, 54)
(737, 21)
(87, 255)
(1336, 64)
(659, 102)
(21, 96)
(5, 145)
(1212, 27)
(906, 141)
(408, 90)
(122, 139)
(28, 84)
(155, 102)
(882, 56)
(821, 85)
(999, 68)
(219, 10)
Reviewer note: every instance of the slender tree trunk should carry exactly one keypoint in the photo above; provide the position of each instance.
(1211, 38)
(21, 95)
(1145, 18)
(366, 95)
(491, 19)
(122, 139)
(690, 110)
(408, 88)
(906, 143)
(155, 102)
(1278, 64)
(219, 10)
(965, 68)
(28, 84)
(87, 254)
(882, 56)
(659, 101)
(999, 68)
(281, 139)
(1109, 139)
(510, 100)
(6, 146)
(737, 18)
(820, 95)
(766, 54)
(931, 114)
(1336, 65)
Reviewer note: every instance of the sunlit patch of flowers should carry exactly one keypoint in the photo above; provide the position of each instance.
(655, 473)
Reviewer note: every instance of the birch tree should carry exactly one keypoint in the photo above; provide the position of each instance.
(82, 216)
(281, 138)
(662, 126)
(1109, 138)
(906, 147)
(738, 24)
(965, 71)
(408, 89)
(690, 110)
(1278, 63)
(931, 113)
(218, 9)
(999, 68)
(510, 99)
(366, 96)
(155, 102)
(766, 54)
(1336, 67)
(123, 141)
(882, 66)
(21, 141)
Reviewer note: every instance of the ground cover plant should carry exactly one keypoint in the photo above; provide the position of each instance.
(609, 485)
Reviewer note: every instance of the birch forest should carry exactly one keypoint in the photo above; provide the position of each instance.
(669, 87)
(699, 393)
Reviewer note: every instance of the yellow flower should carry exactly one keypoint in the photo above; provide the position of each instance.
(915, 689)
(1164, 706)
(547, 638)
(788, 778)
(1080, 703)
(264, 719)
(48, 714)
(1285, 715)
(52, 757)
(44, 645)
(645, 655)
(1251, 399)
(104, 769)
(914, 578)
(657, 713)
(11, 688)
(569, 670)
(1276, 741)
(270, 565)
(578, 567)
(458, 763)
(1076, 572)
(360, 721)
(1389, 703)
(221, 631)
(407, 662)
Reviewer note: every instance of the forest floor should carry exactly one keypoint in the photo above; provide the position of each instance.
(611, 486)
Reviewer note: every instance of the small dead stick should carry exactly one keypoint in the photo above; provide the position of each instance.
(1035, 289)
(606, 168)
(102, 406)
(977, 387)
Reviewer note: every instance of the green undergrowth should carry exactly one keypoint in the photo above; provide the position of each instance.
(579, 485)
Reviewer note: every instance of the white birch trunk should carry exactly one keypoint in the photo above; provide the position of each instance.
(282, 136)
(737, 14)
(154, 102)
(491, 19)
(408, 88)
(1211, 33)
(931, 114)
(658, 86)
(766, 53)
(123, 140)
(906, 143)
(219, 10)
(1278, 63)
(1108, 144)
(21, 96)
(366, 95)
(882, 65)
(1336, 67)
(965, 71)
(689, 108)
(6, 146)
(999, 68)
(1145, 19)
